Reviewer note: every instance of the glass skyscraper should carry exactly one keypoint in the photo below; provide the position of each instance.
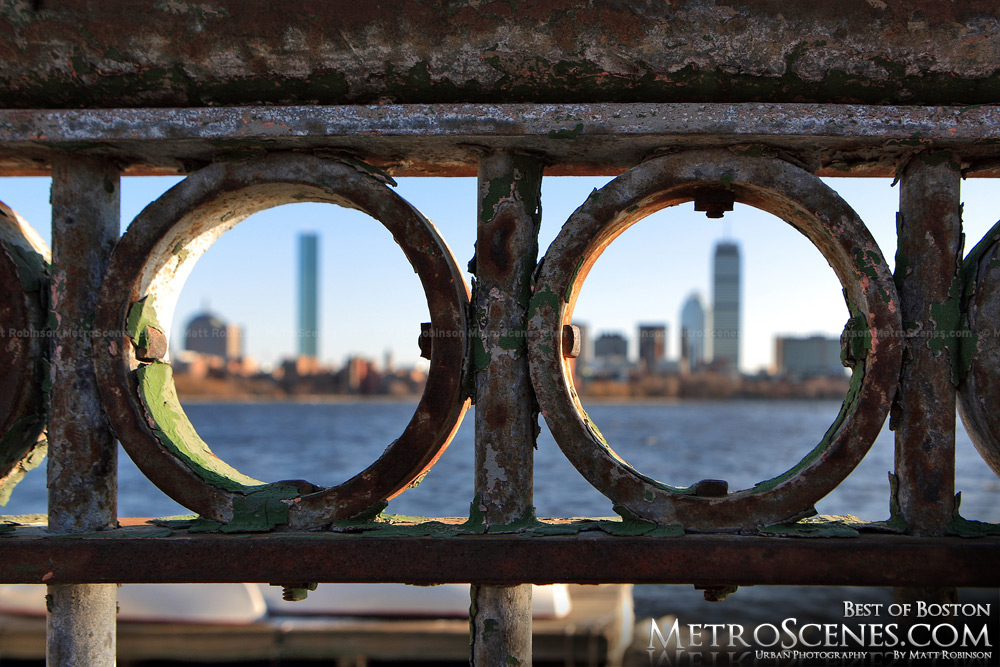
(726, 307)
(309, 295)
(692, 334)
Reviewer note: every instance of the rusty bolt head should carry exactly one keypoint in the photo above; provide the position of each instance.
(426, 340)
(711, 488)
(295, 592)
(717, 593)
(156, 345)
(714, 203)
(572, 341)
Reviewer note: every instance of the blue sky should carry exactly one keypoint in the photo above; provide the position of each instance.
(371, 300)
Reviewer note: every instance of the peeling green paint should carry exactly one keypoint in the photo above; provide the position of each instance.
(476, 522)
(572, 281)
(948, 326)
(818, 526)
(257, 506)
(543, 299)
(141, 314)
(896, 522)
(565, 133)
(963, 527)
(866, 262)
(481, 357)
(177, 434)
(260, 510)
(631, 525)
(515, 341)
(498, 190)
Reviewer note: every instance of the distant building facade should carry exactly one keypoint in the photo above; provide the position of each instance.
(815, 356)
(652, 346)
(611, 348)
(308, 295)
(726, 307)
(693, 334)
(207, 334)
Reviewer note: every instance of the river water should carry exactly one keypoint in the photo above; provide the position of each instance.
(679, 443)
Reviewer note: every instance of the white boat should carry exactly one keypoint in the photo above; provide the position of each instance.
(237, 604)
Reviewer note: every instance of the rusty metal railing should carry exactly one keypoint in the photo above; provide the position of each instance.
(508, 353)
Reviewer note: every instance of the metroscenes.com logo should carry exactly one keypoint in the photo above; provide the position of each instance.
(916, 634)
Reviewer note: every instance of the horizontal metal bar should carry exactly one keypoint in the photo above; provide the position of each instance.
(139, 555)
(448, 139)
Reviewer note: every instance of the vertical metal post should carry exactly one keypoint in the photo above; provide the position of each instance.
(82, 467)
(929, 251)
(506, 409)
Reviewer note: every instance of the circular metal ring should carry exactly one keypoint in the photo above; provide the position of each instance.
(24, 262)
(978, 391)
(810, 206)
(147, 270)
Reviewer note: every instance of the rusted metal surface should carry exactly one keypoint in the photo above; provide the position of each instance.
(81, 624)
(803, 201)
(500, 625)
(506, 410)
(928, 255)
(132, 555)
(75, 53)
(24, 290)
(510, 214)
(82, 467)
(82, 475)
(153, 259)
(448, 139)
(979, 392)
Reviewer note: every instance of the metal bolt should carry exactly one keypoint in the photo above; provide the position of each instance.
(426, 340)
(711, 488)
(572, 341)
(714, 203)
(716, 593)
(295, 592)
(156, 345)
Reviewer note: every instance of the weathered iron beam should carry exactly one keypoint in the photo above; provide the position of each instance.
(928, 255)
(510, 189)
(82, 467)
(134, 555)
(928, 258)
(229, 52)
(448, 139)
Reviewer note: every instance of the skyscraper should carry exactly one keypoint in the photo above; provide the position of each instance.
(693, 334)
(726, 307)
(652, 346)
(309, 295)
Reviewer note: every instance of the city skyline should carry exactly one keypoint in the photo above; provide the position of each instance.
(645, 275)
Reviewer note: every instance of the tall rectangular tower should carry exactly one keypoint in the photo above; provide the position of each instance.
(726, 307)
(652, 346)
(308, 295)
